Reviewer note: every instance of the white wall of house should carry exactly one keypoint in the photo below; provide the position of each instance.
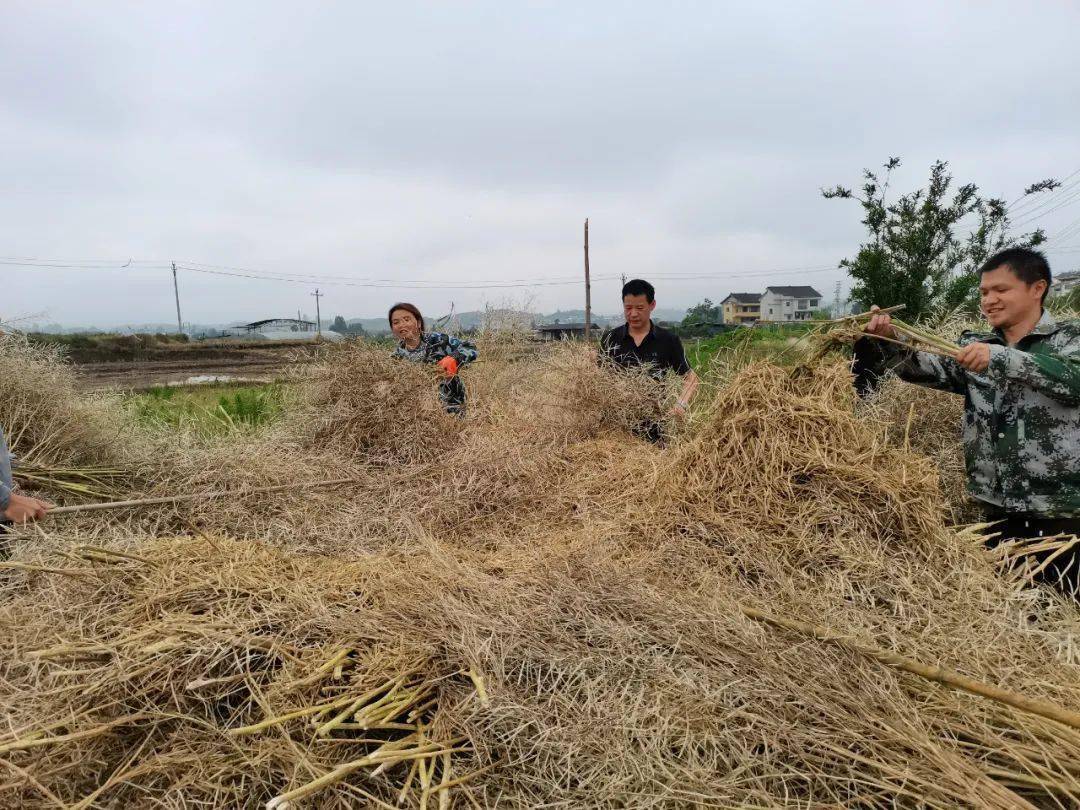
(784, 308)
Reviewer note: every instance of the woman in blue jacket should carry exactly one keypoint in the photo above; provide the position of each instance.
(447, 352)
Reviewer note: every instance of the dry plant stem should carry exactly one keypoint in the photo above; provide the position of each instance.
(864, 316)
(198, 496)
(43, 569)
(428, 751)
(940, 352)
(334, 661)
(444, 786)
(284, 718)
(933, 673)
(34, 741)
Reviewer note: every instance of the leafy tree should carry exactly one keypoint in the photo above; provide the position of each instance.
(700, 319)
(705, 312)
(339, 325)
(915, 254)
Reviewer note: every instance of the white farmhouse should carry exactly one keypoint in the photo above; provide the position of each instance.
(780, 304)
(1066, 282)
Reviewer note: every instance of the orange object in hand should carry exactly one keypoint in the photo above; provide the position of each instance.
(449, 365)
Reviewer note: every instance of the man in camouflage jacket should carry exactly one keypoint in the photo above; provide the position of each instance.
(1021, 387)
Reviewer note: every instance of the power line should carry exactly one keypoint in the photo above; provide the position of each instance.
(1030, 199)
(412, 285)
(201, 265)
(386, 283)
(1029, 203)
(1061, 203)
(1069, 231)
(81, 266)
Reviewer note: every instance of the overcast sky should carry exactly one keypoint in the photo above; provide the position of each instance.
(464, 144)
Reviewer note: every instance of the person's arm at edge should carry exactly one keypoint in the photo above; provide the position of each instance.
(13, 506)
(5, 474)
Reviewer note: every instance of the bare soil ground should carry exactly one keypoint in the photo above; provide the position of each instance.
(262, 362)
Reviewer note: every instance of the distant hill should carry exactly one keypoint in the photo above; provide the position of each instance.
(474, 319)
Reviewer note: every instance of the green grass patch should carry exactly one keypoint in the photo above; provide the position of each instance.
(211, 409)
(748, 344)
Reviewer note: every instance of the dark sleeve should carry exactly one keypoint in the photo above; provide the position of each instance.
(920, 368)
(678, 357)
(461, 350)
(440, 346)
(869, 364)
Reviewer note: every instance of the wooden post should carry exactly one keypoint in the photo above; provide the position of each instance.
(588, 287)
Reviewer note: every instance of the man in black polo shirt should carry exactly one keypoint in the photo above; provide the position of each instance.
(640, 342)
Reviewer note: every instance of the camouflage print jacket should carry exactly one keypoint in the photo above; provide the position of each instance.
(434, 346)
(1021, 416)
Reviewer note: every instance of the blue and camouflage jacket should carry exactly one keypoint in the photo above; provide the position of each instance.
(1021, 416)
(434, 346)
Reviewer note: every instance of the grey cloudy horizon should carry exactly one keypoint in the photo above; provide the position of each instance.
(464, 144)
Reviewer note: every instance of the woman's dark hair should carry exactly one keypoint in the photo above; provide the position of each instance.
(410, 308)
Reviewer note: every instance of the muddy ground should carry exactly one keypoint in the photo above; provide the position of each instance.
(254, 363)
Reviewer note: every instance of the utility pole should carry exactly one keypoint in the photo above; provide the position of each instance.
(588, 287)
(176, 292)
(318, 313)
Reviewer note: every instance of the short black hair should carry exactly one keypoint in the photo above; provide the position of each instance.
(1026, 264)
(637, 286)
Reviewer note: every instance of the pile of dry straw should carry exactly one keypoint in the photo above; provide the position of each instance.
(528, 607)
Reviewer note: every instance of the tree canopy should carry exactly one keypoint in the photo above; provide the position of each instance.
(924, 248)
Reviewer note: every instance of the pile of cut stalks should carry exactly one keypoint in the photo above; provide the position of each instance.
(526, 607)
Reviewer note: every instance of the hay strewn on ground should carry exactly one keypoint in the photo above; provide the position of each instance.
(46, 421)
(558, 603)
(931, 423)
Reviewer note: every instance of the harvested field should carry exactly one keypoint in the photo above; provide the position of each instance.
(177, 364)
(528, 607)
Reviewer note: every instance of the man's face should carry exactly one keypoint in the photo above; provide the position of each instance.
(1006, 300)
(637, 310)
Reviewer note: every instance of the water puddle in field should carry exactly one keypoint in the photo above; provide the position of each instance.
(211, 379)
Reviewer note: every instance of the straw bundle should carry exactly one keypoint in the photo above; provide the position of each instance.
(363, 402)
(45, 420)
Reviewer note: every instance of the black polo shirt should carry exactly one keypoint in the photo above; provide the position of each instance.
(661, 349)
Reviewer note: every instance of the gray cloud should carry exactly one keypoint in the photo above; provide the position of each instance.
(468, 141)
